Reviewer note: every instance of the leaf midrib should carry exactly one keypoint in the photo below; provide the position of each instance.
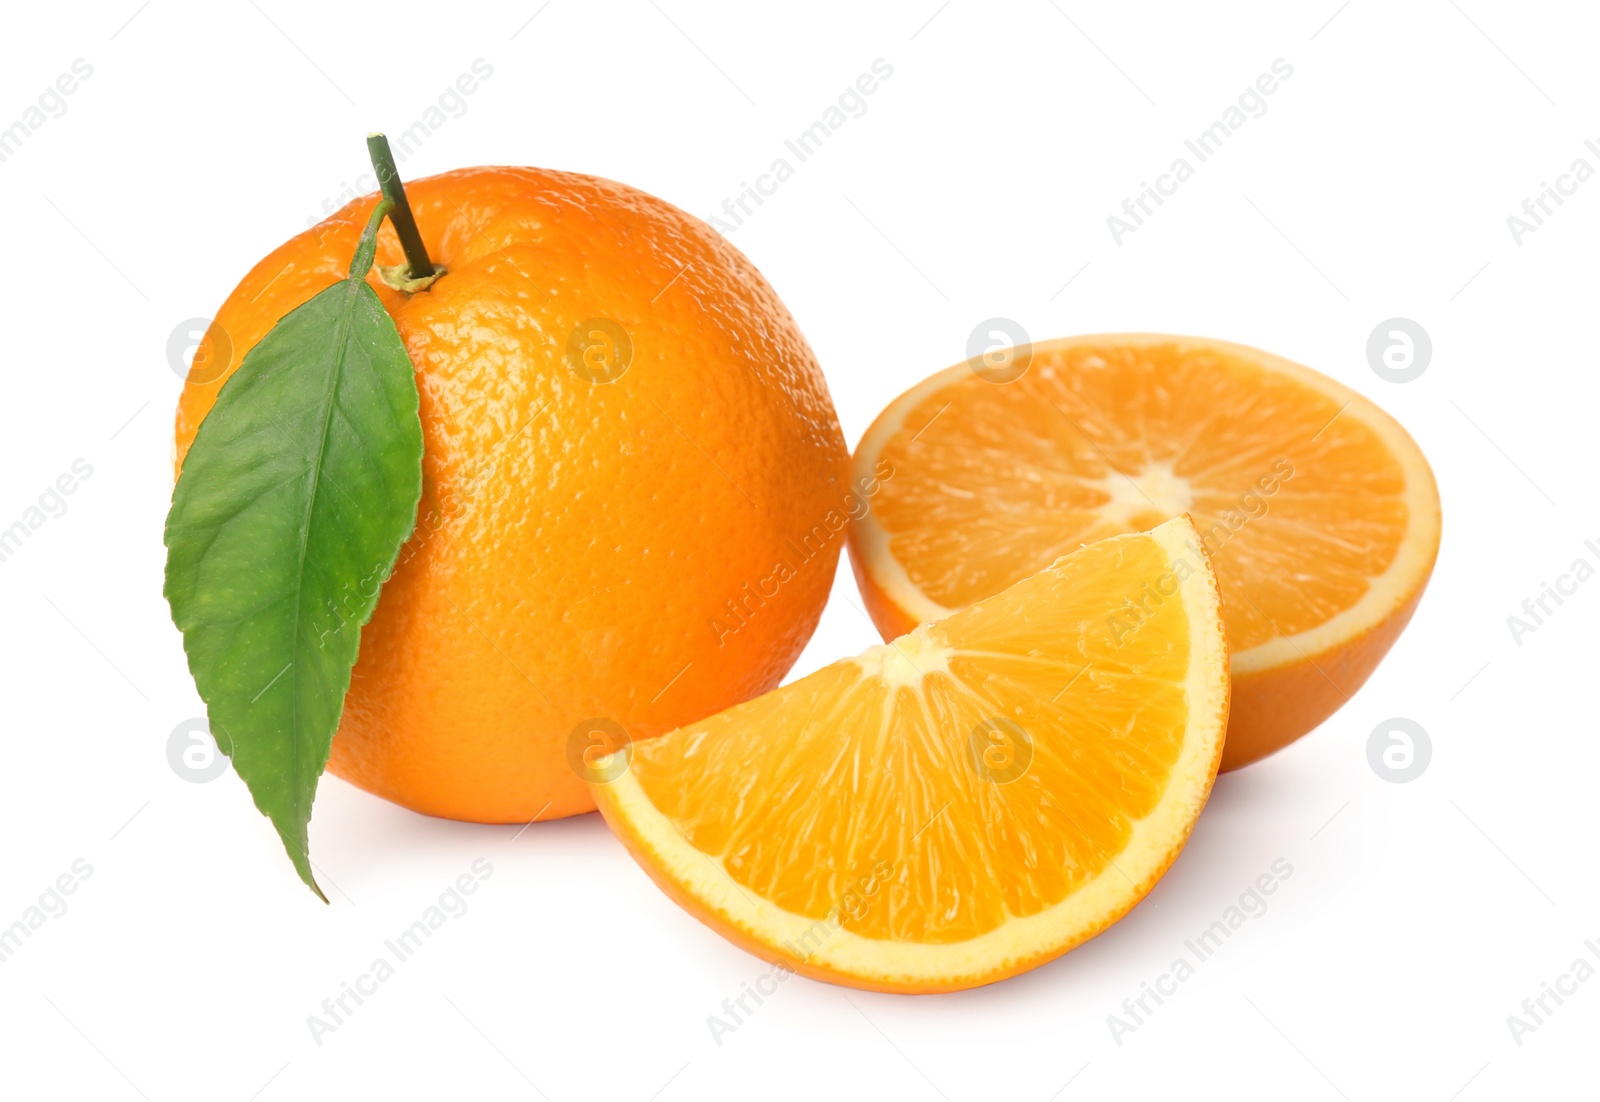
(340, 347)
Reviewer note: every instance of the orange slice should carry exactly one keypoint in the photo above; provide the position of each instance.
(959, 805)
(1319, 511)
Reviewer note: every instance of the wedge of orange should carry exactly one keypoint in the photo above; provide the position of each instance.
(1319, 511)
(964, 803)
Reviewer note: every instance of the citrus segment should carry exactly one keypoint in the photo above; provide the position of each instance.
(965, 802)
(1319, 511)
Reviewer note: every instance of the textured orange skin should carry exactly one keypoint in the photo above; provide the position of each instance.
(890, 619)
(575, 540)
(1269, 708)
(1274, 707)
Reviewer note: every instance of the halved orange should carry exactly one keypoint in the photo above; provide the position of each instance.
(964, 803)
(1319, 511)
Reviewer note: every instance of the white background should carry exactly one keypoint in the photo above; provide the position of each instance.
(978, 182)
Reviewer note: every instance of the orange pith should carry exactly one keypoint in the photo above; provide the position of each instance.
(961, 804)
(587, 545)
(1318, 510)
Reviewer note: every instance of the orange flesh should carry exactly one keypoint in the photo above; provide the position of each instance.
(879, 779)
(1299, 508)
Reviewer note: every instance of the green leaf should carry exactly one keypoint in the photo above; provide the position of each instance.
(300, 488)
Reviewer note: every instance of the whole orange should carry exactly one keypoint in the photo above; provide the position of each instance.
(634, 485)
